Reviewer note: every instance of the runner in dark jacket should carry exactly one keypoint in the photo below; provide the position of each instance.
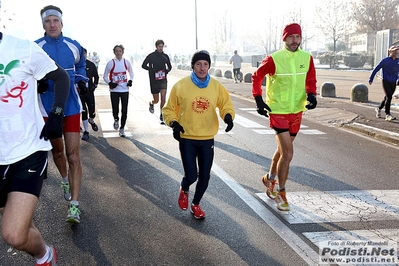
(88, 100)
(158, 65)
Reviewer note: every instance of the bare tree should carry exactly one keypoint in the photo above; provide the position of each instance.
(375, 15)
(333, 19)
(296, 16)
(217, 40)
(223, 34)
(270, 36)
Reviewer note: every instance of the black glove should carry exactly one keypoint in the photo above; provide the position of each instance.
(177, 128)
(93, 87)
(112, 85)
(53, 127)
(312, 101)
(42, 86)
(261, 106)
(82, 87)
(129, 83)
(229, 121)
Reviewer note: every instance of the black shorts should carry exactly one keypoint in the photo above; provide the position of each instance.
(157, 86)
(24, 176)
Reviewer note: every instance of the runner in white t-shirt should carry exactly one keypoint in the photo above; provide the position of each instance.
(24, 141)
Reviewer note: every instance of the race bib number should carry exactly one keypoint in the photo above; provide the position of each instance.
(119, 77)
(160, 75)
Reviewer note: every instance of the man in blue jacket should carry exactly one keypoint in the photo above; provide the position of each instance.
(69, 55)
(390, 72)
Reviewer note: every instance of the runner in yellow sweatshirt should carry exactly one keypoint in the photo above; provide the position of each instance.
(191, 112)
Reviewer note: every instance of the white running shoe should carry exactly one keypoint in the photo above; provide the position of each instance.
(73, 214)
(67, 190)
(122, 132)
(389, 117)
(151, 108)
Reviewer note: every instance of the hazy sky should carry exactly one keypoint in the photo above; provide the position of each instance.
(99, 25)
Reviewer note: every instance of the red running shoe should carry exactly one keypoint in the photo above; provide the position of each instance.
(271, 186)
(183, 200)
(197, 211)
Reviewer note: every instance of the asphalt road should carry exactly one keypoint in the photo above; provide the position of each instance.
(130, 186)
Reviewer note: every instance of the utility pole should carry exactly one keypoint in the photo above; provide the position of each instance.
(196, 33)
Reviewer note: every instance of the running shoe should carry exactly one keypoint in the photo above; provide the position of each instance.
(67, 190)
(122, 132)
(183, 200)
(389, 117)
(93, 125)
(151, 108)
(271, 186)
(197, 211)
(281, 200)
(73, 214)
(378, 112)
(51, 261)
(161, 119)
(85, 136)
(116, 124)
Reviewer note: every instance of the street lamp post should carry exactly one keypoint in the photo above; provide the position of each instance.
(196, 34)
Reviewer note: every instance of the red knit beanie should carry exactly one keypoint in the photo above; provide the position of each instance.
(290, 29)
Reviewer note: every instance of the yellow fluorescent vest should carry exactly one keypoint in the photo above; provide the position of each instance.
(286, 89)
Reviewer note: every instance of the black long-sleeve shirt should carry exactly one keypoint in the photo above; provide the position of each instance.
(156, 62)
(92, 74)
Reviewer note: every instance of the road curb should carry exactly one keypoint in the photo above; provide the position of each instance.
(383, 135)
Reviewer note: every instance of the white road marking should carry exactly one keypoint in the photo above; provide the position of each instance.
(247, 123)
(115, 134)
(107, 124)
(296, 243)
(304, 131)
(264, 131)
(311, 132)
(260, 129)
(343, 206)
(339, 206)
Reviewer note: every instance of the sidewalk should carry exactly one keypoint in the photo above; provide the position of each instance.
(339, 110)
